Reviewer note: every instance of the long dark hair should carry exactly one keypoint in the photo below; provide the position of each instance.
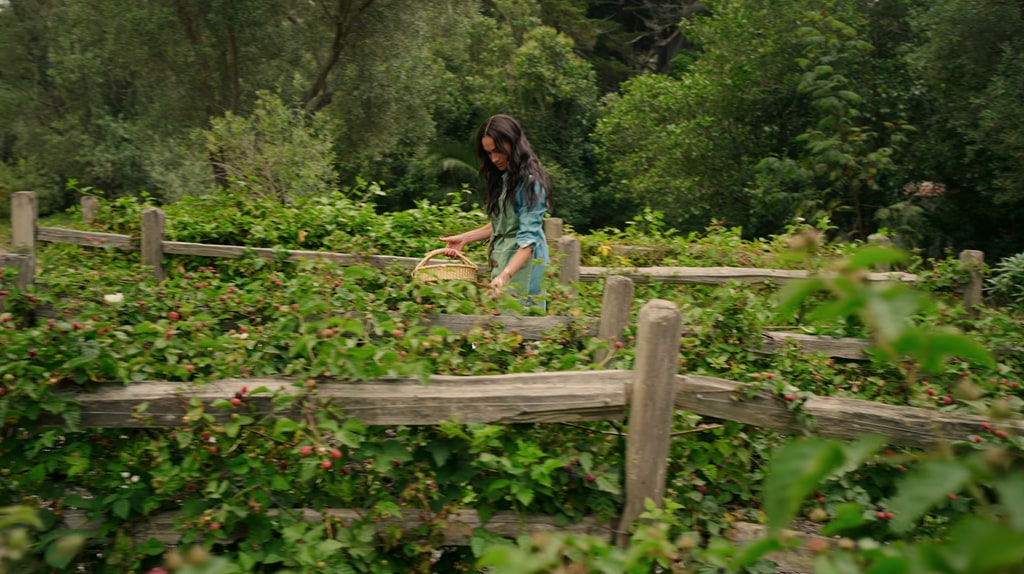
(523, 164)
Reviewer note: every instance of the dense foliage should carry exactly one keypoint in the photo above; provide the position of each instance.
(895, 115)
(239, 480)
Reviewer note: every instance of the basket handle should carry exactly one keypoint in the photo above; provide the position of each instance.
(436, 252)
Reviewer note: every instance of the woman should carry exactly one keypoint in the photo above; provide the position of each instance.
(517, 199)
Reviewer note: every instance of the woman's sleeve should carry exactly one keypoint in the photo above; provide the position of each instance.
(531, 220)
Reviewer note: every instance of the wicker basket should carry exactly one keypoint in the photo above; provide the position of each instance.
(423, 273)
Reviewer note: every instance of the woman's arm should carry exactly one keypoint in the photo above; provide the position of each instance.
(522, 257)
(455, 243)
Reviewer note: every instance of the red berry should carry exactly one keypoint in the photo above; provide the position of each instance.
(236, 401)
(947, 400)
(174, 315)
(245, 390)
(976, 438)
(618, 344)
(335, 453)
(1001, 433)
(769, 376)
(206, 436)
(951, 496)
(986, 426)
(930, 392)
(76, 326)
(326, 465)
(790, 397)
(880, 515)
(215, 526)
(590, 478)
(702, 489)
(212, 449)
(306, 450)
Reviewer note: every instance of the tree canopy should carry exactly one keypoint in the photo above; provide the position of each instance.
(894, 115)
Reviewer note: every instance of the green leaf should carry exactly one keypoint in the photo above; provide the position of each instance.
(608, 483)
(848, 515)
(285, 426)
(754, 551)
(795, 471)
(924, 487)
(122, 508)
(890, 565)
(792, 295)
(931, 349)
(62, 551)
(278, 482)
(977, 545)
(440, 451)
(151, 547)
(524, 494)
(870, 256)
(1011, 496)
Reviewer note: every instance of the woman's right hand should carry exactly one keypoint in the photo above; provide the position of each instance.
(453, 245)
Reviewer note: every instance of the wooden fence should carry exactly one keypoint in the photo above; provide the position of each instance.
(615, 308)
(649, 394)
(153, 246)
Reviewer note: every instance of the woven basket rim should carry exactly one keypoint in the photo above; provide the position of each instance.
(466, 270)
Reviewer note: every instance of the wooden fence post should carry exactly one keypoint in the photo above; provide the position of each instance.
(553, 228)
(24, 220)
(25, 269)
(880, 240)
(616, 307)
(651, 409)
(152, 244)
(569, 260)
(90, 205)
(974, 262)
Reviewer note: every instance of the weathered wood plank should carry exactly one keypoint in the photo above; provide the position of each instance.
(837, 347)
(530, 328)
(457, 532)
(715, 275)
(835, 417)
(527, 397)
(236, 251)
(86, 238)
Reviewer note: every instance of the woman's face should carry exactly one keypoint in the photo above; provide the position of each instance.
(498, 157)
